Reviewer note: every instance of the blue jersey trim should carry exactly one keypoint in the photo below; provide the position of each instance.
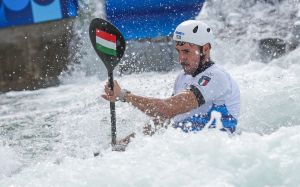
(198, 122)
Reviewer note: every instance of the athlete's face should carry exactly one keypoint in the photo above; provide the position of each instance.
(189, 57)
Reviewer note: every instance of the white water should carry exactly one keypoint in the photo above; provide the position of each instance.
(48, 136)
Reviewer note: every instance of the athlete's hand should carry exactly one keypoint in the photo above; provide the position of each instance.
(111, 95)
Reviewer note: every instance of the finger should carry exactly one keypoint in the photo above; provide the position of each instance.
(107, 87)
(104, 96)
(109, 92)
(108, 98)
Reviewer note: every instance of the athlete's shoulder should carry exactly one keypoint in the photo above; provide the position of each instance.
(214, 76)
(216, 71)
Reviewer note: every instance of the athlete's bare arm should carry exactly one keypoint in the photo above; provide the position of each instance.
(166, 108)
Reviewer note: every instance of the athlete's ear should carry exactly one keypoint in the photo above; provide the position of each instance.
(206, 47)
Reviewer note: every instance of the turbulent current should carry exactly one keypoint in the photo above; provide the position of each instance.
(48, 136)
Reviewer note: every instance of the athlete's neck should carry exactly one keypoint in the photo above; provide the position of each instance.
(202, 67)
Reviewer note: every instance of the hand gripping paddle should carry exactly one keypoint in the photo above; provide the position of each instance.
(109, 44)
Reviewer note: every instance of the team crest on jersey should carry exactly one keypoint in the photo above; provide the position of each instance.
(203, 81)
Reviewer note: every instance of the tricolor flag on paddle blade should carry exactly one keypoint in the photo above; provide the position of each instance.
(106, 42)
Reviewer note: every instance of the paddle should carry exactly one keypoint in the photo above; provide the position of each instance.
(109, 44)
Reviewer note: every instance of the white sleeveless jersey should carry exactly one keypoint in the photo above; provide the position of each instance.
(217, 89)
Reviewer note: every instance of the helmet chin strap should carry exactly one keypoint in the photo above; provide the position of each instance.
(201, 62)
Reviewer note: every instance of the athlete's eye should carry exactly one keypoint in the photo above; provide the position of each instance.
(186, 51)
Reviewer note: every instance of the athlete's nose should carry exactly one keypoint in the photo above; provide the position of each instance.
(182, 58)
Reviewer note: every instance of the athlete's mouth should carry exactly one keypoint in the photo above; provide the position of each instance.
(184, 64)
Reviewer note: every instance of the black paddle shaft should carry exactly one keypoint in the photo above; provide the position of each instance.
(112, 111)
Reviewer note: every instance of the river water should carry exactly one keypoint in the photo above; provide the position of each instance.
(48, 136)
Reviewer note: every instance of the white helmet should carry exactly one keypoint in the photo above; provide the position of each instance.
(193, 31)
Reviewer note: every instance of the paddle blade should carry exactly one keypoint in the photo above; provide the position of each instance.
(107, 41)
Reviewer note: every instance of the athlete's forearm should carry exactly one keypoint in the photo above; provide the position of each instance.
(150, 106)
(166, 108)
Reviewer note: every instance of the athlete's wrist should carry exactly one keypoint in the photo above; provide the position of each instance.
(122, 94)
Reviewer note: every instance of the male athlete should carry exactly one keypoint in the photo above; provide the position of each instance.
(201, 88)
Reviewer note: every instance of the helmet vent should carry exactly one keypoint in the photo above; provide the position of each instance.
(195, 29)
(208, 29)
